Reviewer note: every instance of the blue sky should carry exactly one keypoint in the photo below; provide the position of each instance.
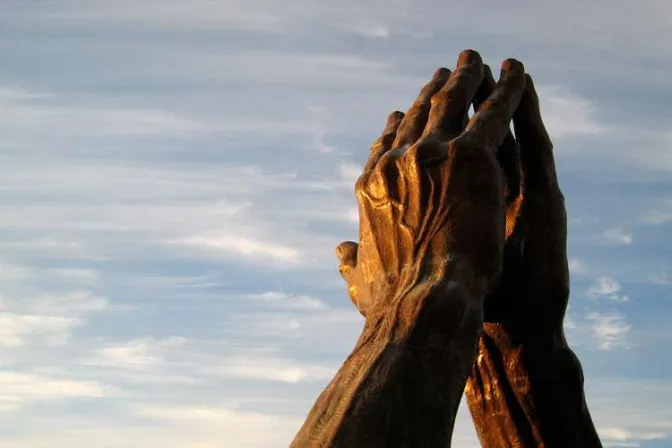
(175, 177)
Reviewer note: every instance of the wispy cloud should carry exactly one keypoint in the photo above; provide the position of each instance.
(22, 110)
(617, 236)
(610, 329)
(374, 31)
(18, 389)
(577, 266)
(607, 288)
(272, 369)
(245, 247)
(138, 354)
(17, 330)
(287, 301)
(644, 398)
(31, 315)
(566, 114)
(209, 426)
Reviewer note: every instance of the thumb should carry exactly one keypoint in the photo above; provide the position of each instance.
(347, 255)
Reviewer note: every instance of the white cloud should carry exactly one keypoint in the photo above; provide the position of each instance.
(648, 417)
(17, 330)
(577, 266)
(75, 303)
(228, 211)
(247, 247)
(288, 301)
(333, 330)
(607, 288)
(83, 275)
(20, 113)
(46, 319)
(374, 31)
(566, 114)
(50, 247)
(617, 236)
(206, 280)
(204, 361)
(138, 354)
(610, 330)
(349, 174)
(31, 317)
(209, 427)
(18, 389)
(168, 432)
(619, 435)
(272, 369)
(14, 272)
(232, 14)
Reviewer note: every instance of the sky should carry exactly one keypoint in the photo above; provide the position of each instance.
(175, 176)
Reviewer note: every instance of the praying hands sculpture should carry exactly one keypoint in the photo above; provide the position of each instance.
(461, 275)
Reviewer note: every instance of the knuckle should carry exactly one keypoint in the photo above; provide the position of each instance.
(374, 184)
(413, 154)
(386, 168)
(463, 152)
(425, 153)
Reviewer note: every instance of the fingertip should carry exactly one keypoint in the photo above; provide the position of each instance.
(395, 117)
(393, 121)
(441, 73)
(469, 57)
(512, 67)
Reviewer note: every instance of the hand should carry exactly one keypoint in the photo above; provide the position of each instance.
(526, 388)
(431, 239)
(431, 191)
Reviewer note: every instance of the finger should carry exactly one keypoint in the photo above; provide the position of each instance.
(488, 127)
(507, 155)
(347, 254)
(450, 106)
(413, 125)
(384, 143)
(536, 149)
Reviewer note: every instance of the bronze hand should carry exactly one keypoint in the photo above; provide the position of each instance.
(526, 388)
(430, 248)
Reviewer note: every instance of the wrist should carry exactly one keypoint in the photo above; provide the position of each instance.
(439, 306)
